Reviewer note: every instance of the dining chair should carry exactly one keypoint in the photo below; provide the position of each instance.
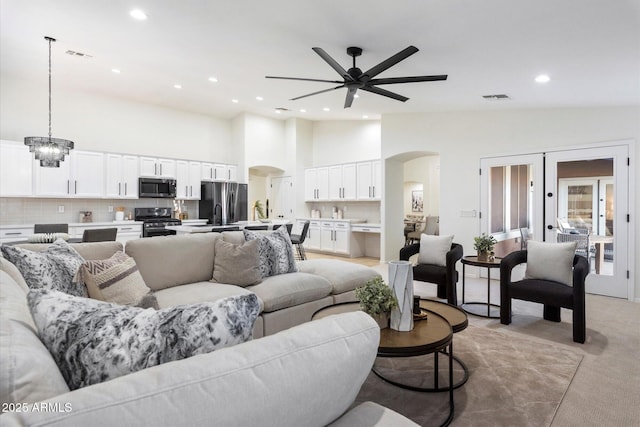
(50, 228)
(100, 235)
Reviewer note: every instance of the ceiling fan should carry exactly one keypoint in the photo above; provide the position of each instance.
(355, 79)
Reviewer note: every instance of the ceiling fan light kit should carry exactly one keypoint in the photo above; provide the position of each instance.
(354, 78)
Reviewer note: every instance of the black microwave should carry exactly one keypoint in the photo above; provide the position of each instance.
(164, 188)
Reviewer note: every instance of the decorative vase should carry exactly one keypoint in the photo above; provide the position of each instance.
(382, 319)
(119, 215)
(401, 281)
(483, 256)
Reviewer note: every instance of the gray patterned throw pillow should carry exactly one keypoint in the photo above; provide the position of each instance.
(275, 251)
(94, 341)
(53, 268)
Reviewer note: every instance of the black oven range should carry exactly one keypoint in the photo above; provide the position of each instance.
(155, 220)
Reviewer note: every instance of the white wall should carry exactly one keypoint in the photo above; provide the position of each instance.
(461, 138)
(265, 142)
(345, 141)
(102, 123)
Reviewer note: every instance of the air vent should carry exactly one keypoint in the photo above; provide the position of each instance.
(498, 97)
(74, 53)
(282, 109)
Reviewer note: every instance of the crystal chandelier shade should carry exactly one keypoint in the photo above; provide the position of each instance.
(50, 151)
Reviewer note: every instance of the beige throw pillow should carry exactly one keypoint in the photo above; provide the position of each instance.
(550, 261)
(237, 264)
(116, 280)
(433, 249)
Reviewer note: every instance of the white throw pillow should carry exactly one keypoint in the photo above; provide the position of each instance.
(433, 249)
(550, 261)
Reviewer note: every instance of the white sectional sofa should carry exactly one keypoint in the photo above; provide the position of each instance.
(308, 374)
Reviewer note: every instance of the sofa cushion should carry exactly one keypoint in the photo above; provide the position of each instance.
(371, 414)
(344, 276)
(287, 290)
(117, 280)
(237, 264)
(94, 341)
(193, 293)
(28, 373)
(53, 268)
(276, 251)
(167, 261)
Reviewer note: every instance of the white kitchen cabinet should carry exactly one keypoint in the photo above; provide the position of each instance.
(369, 180)
(121, 177)
(335, 237)
(16, 170)
(81, 174)
(125, 232)
(188, 177)
(220, 172)
(316, 184)
(232, 173)
(16, 234)
(157, 167)
(342, 182)
(312, 241)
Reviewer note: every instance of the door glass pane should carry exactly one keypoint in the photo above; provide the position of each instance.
(586, 203)
(497, 193)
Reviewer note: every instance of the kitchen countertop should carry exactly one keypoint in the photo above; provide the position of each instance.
(208, 227)
(76, 224)
(351, 220)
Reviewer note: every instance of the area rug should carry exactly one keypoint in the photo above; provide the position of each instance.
(512, 382)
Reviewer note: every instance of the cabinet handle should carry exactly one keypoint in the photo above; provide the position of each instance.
(211, 173)
(155, 169)
(369, 191)
(119, 184)
(126, 228)
(160, 168)
(191, 190)
(125, 188)
(215, 174)
(15, 233)
(75, 187)
(229, 173)
(374, 191)
(68, 191)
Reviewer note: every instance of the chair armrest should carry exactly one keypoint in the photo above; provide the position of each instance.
(507, 264)
(580, 271)
(408, 251)
(453, 256)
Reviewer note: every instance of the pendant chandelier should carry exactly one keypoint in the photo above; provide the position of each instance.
(50, 151)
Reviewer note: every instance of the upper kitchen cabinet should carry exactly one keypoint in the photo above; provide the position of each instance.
(342, 182)
(121, 178)
(152, 166)
(188, 176)
(369, 180)
(219, 172)
(81, 174)
(16, 170)
(316, 184)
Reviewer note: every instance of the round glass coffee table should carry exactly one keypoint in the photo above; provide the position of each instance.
(433, 335)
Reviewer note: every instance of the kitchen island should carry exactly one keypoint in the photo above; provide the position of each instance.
(208, 228)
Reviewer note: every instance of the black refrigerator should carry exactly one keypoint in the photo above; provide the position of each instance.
(223, 203)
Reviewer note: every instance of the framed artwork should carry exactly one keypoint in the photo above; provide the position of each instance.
(416, 201)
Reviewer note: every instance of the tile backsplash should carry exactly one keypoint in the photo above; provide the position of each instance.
(16, 211)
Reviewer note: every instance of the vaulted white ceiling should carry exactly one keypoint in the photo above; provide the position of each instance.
(589, 48)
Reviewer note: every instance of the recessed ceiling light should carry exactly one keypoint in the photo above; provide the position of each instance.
(302, 110)
(213, 80)
(356, 96)
(542, 78)
(178, 86)
(115, 70)
(235, 101)
(278, 111)
(259, 98)
(365, 117)
(326, 109)
(138, 14)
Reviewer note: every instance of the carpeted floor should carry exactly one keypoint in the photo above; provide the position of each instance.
(512, 381)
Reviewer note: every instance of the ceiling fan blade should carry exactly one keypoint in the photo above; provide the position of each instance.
(316, 93)
(303, 79)
(349, 99)
(384, 92)
(414, 79)
(334, 64)
(387, 63)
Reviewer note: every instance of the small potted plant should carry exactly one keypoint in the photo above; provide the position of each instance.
(484, 246)
(377, 299)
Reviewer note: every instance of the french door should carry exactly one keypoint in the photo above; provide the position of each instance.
(589, 190)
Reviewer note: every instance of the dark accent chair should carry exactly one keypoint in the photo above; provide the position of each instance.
(100, 235)
(289, 227)
(298, 240)
(552, 295)
(445, 277)
(50, 228)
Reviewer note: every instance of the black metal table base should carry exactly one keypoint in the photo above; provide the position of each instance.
(436, 388)
(478, 313)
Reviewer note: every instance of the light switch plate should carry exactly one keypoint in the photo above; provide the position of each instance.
(60, 208)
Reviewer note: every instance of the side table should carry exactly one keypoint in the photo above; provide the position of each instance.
(473, 260)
